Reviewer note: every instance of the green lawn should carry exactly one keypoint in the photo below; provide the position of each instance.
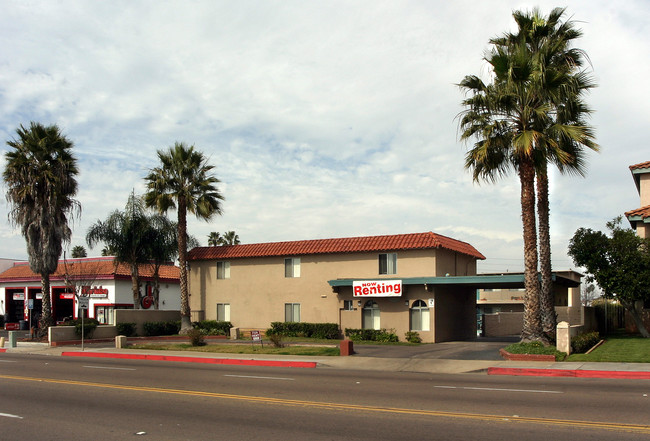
(618, 349)
(232, 348)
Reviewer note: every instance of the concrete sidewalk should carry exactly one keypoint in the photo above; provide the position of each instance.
(357, 362)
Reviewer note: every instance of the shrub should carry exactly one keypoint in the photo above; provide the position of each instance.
(276, 340)
(379, 335)
(535, 347)
(161, 328)
(89, 326)
(127, 329)
(583, 342)
(310, 330)
(213, 327)
(413, 337)
(196, 337)
(2, 320)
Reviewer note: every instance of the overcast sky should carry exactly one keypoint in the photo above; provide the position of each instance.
(323, 118)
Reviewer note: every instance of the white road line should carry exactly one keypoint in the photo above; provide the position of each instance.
(7, 361)
(502, 390)
(8, 415)
(262, 378)
(109, 367)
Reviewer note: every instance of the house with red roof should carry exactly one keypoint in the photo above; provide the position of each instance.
(422, 282)
(640, 218)
(106, 283)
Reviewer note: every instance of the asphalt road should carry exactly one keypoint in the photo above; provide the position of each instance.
(60, 398)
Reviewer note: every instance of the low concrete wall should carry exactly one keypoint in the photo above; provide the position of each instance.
(503, 324)
(141, 316)
(67, 333)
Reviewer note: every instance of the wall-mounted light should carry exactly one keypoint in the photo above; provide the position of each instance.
(358, 302)
(406, 302)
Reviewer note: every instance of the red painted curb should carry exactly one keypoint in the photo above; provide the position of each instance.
(3, 350)
(227, 361)
(569, 373)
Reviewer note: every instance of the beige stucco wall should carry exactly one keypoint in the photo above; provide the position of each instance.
(257, 289)
(644, 189)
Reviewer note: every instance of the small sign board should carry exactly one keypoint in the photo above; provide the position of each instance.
(30, 304)
(84, 302)
(255, 336)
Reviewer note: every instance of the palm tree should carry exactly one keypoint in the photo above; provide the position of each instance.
(78, 251)
(183, 181)
(214, 239)
(40, 175)
(230, 238)
(530, 114)
(128, 235)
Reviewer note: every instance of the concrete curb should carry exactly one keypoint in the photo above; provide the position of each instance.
(226, 361)
(576, 373)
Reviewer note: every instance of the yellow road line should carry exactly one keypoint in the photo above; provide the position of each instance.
(340, 406)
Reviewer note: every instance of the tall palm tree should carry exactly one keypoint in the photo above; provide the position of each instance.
(230, 238)
(522, 120)
(78, 251)
(40, 175)
(214, 239)
(183, 181)
(128, 235)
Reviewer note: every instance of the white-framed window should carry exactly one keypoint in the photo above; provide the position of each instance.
(292, 267)
(223, 270)
(370, 317)
(348, 305)
(388, 263)
(420, 316)
(292, 312)
(223, 312)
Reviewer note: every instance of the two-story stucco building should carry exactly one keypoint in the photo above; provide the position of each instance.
(407, 282)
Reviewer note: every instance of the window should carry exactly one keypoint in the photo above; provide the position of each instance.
(292, 312)
(348, 305)
(223, 312)
(419, 316)
(223, 270)
(292, 267)
(388, 263)
(370, 317)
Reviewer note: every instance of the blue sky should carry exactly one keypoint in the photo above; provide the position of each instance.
(323, 119)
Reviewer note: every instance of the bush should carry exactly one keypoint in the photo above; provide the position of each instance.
(89, 326)
(535, 347)
(213, 327)
(413, 337)
(2, 320)
(161, 328)
(379, 335)
(196, 337)
(583, 342)
(276, 340)
(127, 329)
(328, 331)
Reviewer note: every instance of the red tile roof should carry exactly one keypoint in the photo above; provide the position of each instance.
(416, 241)
(643, 212)
(97, 268)
(641, 165)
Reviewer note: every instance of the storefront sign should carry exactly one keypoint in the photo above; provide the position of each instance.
(96, 293)
(19, 296)
(377, 288)
(66, 296)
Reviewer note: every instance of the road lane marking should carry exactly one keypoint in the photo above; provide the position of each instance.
(8, 415)
(640, 428)
(501, 390)
(261, 378)
(110, 367)
(7, 361)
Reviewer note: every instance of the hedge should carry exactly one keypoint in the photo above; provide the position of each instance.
(310, 330)
(583, 342)
(161, 328)
(380, 335)
(213, 327)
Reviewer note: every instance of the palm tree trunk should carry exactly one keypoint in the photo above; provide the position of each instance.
(186, 323)
(46, 315)
(547, 300)
(135, 285)
(532, 327)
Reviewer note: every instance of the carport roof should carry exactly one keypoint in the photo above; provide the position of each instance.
(484, 281)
